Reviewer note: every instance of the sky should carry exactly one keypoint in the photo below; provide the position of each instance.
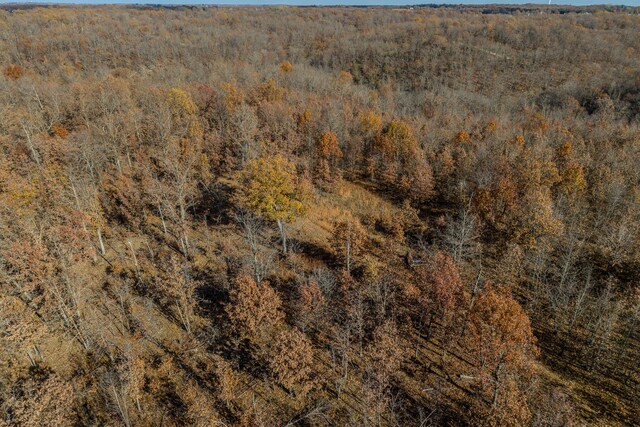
(331, 2)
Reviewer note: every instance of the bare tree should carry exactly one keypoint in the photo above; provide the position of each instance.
(460, 237)
(252, 227)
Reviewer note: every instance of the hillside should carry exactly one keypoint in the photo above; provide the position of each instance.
(285, 216)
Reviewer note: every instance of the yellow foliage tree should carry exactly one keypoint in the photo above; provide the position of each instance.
(269, 91)
(271, 189)
(286, 67)
(398, 141)
(369, 126)
(370, 123)
(233, 96)
(180, 102)
(572, 181)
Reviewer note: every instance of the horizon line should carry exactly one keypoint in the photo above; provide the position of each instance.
(320, 3)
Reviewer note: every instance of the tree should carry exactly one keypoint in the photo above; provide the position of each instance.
(42, 399)
(244, 128)
(310, 304)
(20, 333)
(270, 188)
(348, 240)
(397, 142)
(328, 153)
(385, 353)
(179, 288)
(253, 308)
(384, 357)
(369, 128)
(226, 379)
(504, 350)
(517, 201)
(123, 386)
(286, 67)
(42, 269)
(291, 360)
(439, 292)
(552, 408)
(13, 71)
(121, 198)
(200, 408)
(401, 163)
(252, 227)
(460, 236)
(180, 166)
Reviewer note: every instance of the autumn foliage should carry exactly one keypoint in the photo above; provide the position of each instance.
(254, 308)
(500, 333)
(284, 216)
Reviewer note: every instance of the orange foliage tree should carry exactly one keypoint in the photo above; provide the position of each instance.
(503, 349)
(253, 308)
(401, 163)
(14, 71)
(328, 153)
(518, 202)
(438, 291)
(291, 361)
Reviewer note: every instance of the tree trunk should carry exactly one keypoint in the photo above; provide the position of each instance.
(164, 224)
(283, 235)
(102, 251)
(349, 250)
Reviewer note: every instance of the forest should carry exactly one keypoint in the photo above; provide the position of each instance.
(319, 216)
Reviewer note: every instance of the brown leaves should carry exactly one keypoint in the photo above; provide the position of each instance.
(179, 289)
(121, 198)
(503, 347)
(20, 331)
(269, 91)
(400, 163)
(500, 325)
(253, 308)
(328, 145)
(200, 407)
(386, 352)
(45, 399)
(518, 201)
(440, 285)
(291, 360)
(226, 379)
(14, 71)
(60, 130)
(310, 305)
(31, 265)
(328, 153)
